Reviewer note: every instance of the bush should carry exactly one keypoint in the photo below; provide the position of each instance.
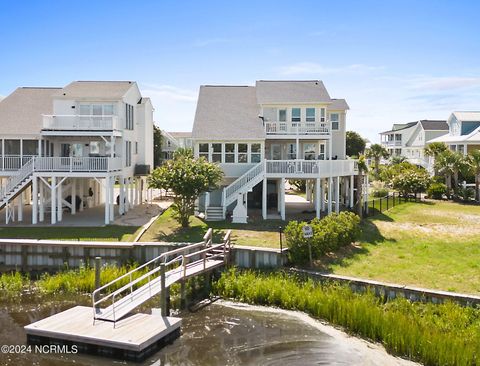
(411, 181)
(329, 234)
(381, 192)
(436, 190)
(464, 194)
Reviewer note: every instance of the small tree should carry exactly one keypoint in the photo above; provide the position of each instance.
(355, 144)
(411, 181)
(157, 146)
(186, 177)
(376, 152)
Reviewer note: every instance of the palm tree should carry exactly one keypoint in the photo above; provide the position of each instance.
(376, 152)
(434, 149)
(446, 164)
(474, 162)
(362, 169)
(394, 160)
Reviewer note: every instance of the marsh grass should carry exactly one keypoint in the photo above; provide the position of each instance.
(12, 284)
(446, 334)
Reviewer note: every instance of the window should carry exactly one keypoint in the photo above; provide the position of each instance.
(108, 149)
(12, 147)
(30, 147)
(460, 148)
(292, 151)
(94, 147)
(321, 156)
(334, 120)
(77, 150)
(203, 150)
(229, 153)
(242, 153)
(85, 109)
(282, 115)
(136, 147)
(129, 117)
(128, 153)
(255, 153)
(310, 114)
(65, 150)
(108, 109)
(217, 153)
(295, 114)
(310, 151)
(322, 114)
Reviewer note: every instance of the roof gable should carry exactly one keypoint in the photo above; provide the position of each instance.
(110, 90)
(287, 92)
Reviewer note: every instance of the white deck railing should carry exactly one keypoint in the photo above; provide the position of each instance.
(80, 122)
(74, 164)
(230, 192)
(13, 162)
(296, 128)
(311, 168)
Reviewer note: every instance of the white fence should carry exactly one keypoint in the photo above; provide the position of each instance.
(73, 164)
(80, 122)
(13, 162)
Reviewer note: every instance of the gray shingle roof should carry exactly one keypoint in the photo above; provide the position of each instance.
(338, 104)
(110, 90)
(180, 134)
(227, 112)
(434, 125)
(21, 111)
(399, 127)
(467, 116)
(285, 92)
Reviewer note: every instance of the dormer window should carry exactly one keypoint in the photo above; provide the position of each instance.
(310, 112)
(296, 115)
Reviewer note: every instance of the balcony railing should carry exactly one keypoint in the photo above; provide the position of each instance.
(13, 163)
(296, 128)
(311, 168)
(80, 122)
(392, 143)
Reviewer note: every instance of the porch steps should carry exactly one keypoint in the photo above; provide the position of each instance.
(214, 213)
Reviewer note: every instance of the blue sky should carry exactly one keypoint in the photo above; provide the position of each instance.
(393, 61)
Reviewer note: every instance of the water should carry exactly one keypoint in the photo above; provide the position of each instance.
(216, 334)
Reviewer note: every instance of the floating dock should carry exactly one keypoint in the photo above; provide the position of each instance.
(133, 338)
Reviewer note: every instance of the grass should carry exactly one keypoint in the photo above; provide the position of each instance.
(432, 244)
(105, 233)
(446, 334)
(256, 233)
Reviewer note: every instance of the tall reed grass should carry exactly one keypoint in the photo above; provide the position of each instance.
(446, 334)
(12, 284)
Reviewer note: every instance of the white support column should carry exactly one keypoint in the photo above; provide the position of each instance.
(107, 200)
(135, 192)
(20, 206)
(53, 200)
(74, 196)
(308, 191)
(42, 201)
(330, 195)
(264, 199)
(282, 196)
(337, 195)
(59, 201)
(322, 194)
(112, 200)
(121, 201)
(317, 197)
(34, 200)
(352, 198)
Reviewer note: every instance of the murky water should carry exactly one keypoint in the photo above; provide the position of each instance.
(218, 334)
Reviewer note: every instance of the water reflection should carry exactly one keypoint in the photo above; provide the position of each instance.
(218, 334)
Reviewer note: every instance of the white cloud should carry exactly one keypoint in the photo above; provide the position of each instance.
(444, 83)
(174, 107)
(306, 68)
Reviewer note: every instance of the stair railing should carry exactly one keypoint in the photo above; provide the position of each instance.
(24, 172)
(235, 187)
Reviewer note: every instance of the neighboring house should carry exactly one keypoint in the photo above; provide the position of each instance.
(173, 141)
(463, 132)
(409, 139)
(263, 135)
(64, 149)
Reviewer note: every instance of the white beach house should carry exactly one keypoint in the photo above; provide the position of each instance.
(64, 149)
(266, 134)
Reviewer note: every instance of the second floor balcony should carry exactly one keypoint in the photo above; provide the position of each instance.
(391, 143)
(276, 129)
(80, 122)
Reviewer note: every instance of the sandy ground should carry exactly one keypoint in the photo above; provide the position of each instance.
(373, 354)
(140, 215)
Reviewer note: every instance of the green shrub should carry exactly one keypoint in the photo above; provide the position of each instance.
(381, 192)
(329, 234)
(12, 284)
(432, 334)
(464, 194)
(436, 190)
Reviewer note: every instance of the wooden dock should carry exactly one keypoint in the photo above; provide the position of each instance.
(133, 338)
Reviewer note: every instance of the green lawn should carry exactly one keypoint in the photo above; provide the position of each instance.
(261, 233)
(431, 244)
(106, 233)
